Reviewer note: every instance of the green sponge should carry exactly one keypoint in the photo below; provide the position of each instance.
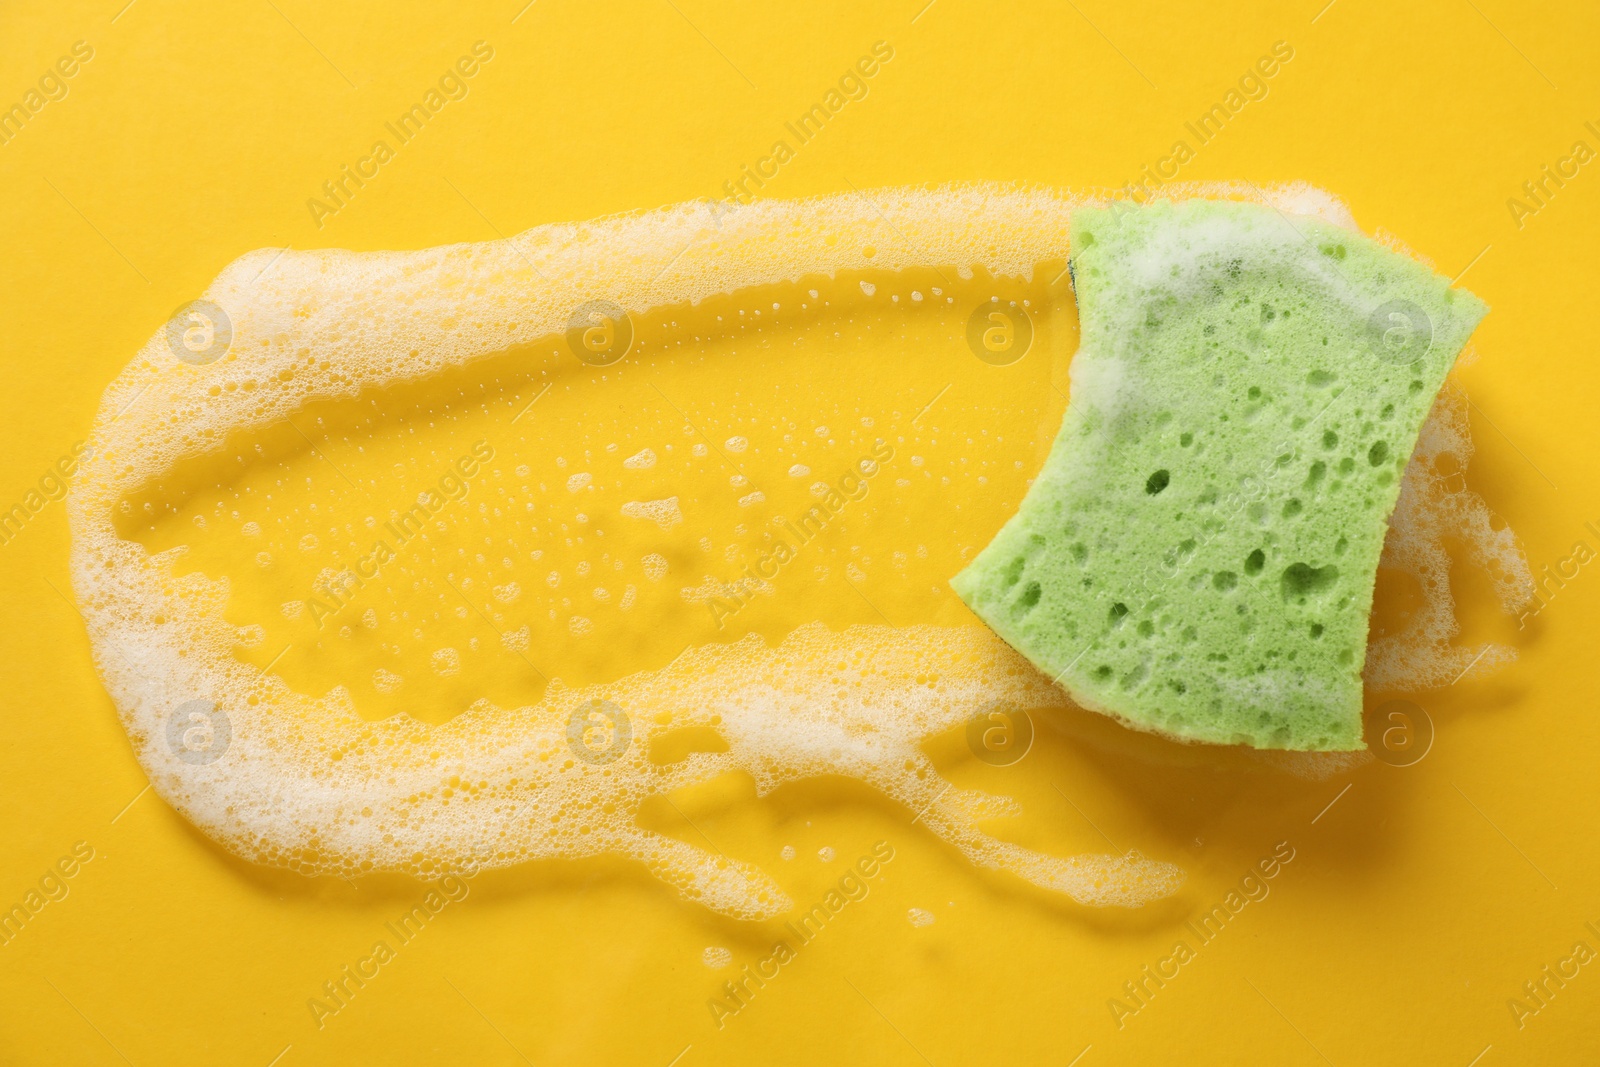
(1197, 557)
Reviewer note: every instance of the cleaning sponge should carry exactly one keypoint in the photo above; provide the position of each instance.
(1197, 556)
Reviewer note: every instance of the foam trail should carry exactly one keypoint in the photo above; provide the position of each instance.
(1434, 505)
(303, 782)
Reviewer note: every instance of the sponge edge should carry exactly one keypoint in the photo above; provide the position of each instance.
(1197, 557)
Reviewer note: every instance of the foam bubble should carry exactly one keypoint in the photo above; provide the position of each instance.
(664, 513)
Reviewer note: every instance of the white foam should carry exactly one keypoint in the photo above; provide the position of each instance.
(516, 640)
(664, 513)
(1436, 505)
(303, 782)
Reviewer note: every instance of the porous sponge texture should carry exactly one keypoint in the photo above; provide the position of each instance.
(1197, 556)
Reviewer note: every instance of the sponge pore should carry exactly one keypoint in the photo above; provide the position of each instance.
(1197, 557)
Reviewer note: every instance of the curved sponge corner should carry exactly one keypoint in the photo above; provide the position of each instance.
(1197, 557)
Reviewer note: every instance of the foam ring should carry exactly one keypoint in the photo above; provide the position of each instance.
(304, 782)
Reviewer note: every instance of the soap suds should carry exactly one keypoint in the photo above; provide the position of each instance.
(305, 783)
(664, 513)
(1435, 505)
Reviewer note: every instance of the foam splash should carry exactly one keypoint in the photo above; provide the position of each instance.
(1434, 505)
(304, 783)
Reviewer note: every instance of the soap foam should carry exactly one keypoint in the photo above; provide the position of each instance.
(1434, 505)
(304, 783)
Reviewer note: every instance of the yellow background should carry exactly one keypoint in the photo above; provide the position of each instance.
(1415, 906)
